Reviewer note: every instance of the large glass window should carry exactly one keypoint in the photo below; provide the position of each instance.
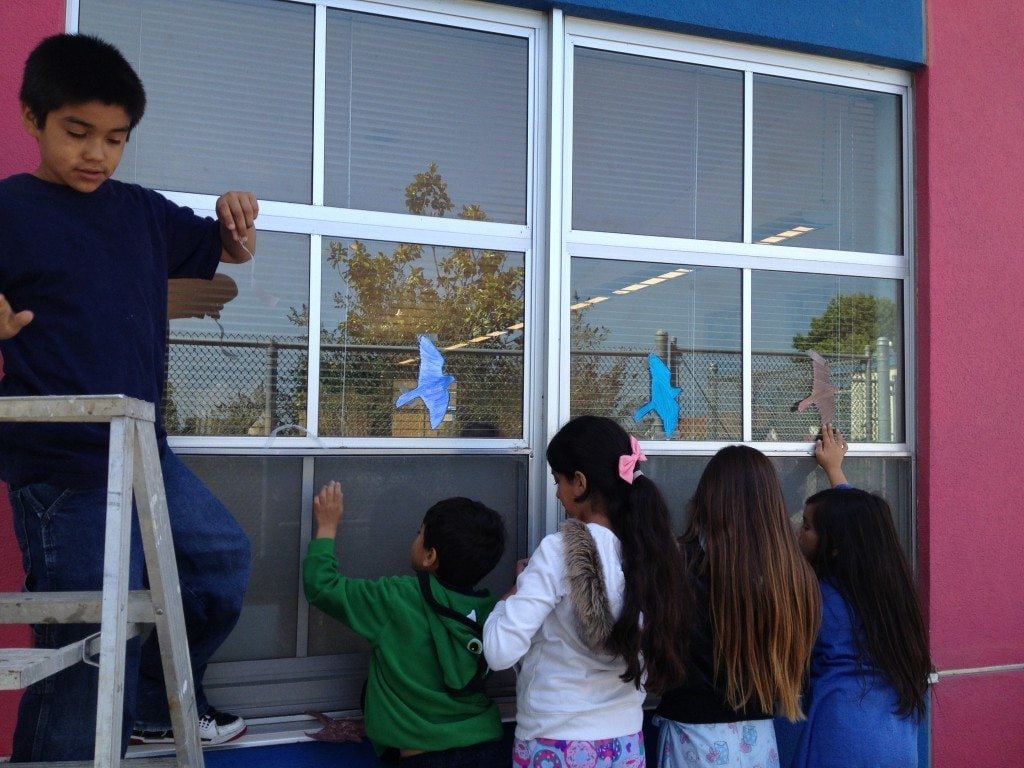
(391, 155)
(854, 325)
(721, 254)
(229, 105)
(236, 355)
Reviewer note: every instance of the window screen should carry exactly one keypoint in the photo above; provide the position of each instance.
(800, 477)
(386, 498)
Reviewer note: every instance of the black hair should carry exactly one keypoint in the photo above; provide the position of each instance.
(468, 536)
(858, 552)
(650, 633)
(74, 69)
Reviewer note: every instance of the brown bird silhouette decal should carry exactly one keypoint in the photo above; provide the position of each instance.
(823, 391)
(337, 728)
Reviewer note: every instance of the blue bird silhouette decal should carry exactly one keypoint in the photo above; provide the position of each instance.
(432, 385)
(663, 396)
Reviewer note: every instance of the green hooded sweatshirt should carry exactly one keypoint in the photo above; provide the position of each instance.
(418, 655)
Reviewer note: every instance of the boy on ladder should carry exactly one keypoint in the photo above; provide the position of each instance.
(84, 265)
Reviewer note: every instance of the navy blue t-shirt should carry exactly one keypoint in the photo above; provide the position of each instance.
(93, 268)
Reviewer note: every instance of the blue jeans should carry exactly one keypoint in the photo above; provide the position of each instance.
(61, 536)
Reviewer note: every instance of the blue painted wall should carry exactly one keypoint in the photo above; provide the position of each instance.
(889, 32)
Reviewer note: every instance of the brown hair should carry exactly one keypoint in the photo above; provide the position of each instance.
(764, 600)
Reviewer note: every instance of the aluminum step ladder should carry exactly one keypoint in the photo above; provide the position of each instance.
(134, 464)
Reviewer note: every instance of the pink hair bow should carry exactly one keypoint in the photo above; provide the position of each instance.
(628, 461)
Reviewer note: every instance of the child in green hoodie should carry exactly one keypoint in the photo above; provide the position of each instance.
(424, 695)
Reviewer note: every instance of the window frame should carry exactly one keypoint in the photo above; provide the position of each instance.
(747, 256)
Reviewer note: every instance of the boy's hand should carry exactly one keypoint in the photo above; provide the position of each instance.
(236, 213)
(829, 449)
(12, 322)
(328, 510)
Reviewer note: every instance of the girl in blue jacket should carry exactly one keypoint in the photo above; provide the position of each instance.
(870, 663)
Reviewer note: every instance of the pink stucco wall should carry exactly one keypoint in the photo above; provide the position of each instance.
(970, 204)
(24, 23)
(970, 109)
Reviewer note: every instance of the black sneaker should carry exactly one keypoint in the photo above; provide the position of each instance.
(215, 727)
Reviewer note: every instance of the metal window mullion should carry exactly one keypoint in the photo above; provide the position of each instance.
(313, 360)
(315, 241)
(748, 229)
(71, 14)
(538, 219)
(305, 534)
(556, 284)
(748, 156)
(319, 101)
(748, 386)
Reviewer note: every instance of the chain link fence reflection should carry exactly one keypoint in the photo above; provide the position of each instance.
(248, 385)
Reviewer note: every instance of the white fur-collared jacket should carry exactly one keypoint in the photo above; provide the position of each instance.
(556, 623)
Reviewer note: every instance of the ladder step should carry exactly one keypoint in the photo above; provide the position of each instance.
(131, 762)
(67, 409)
(68, 607)
(20, 667)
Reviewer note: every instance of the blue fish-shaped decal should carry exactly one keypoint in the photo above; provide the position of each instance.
(663, 396)
(432, 385)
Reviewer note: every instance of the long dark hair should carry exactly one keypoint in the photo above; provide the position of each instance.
(859, 553)
(658, 602)
(764, 600)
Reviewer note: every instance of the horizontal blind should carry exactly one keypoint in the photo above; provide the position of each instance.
(657, 147)
(403, 95)
(827, 160)
(230, 93)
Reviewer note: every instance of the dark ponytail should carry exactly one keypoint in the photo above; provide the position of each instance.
(651, 630)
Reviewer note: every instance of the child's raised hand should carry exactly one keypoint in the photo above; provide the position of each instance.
(12, 322)
(829, 450)
(328, 510)
(236, 213)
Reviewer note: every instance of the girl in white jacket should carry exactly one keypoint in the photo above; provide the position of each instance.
(597, 613)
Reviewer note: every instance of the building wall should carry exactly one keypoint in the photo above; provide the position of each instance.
(970, 106)
(24, 23)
